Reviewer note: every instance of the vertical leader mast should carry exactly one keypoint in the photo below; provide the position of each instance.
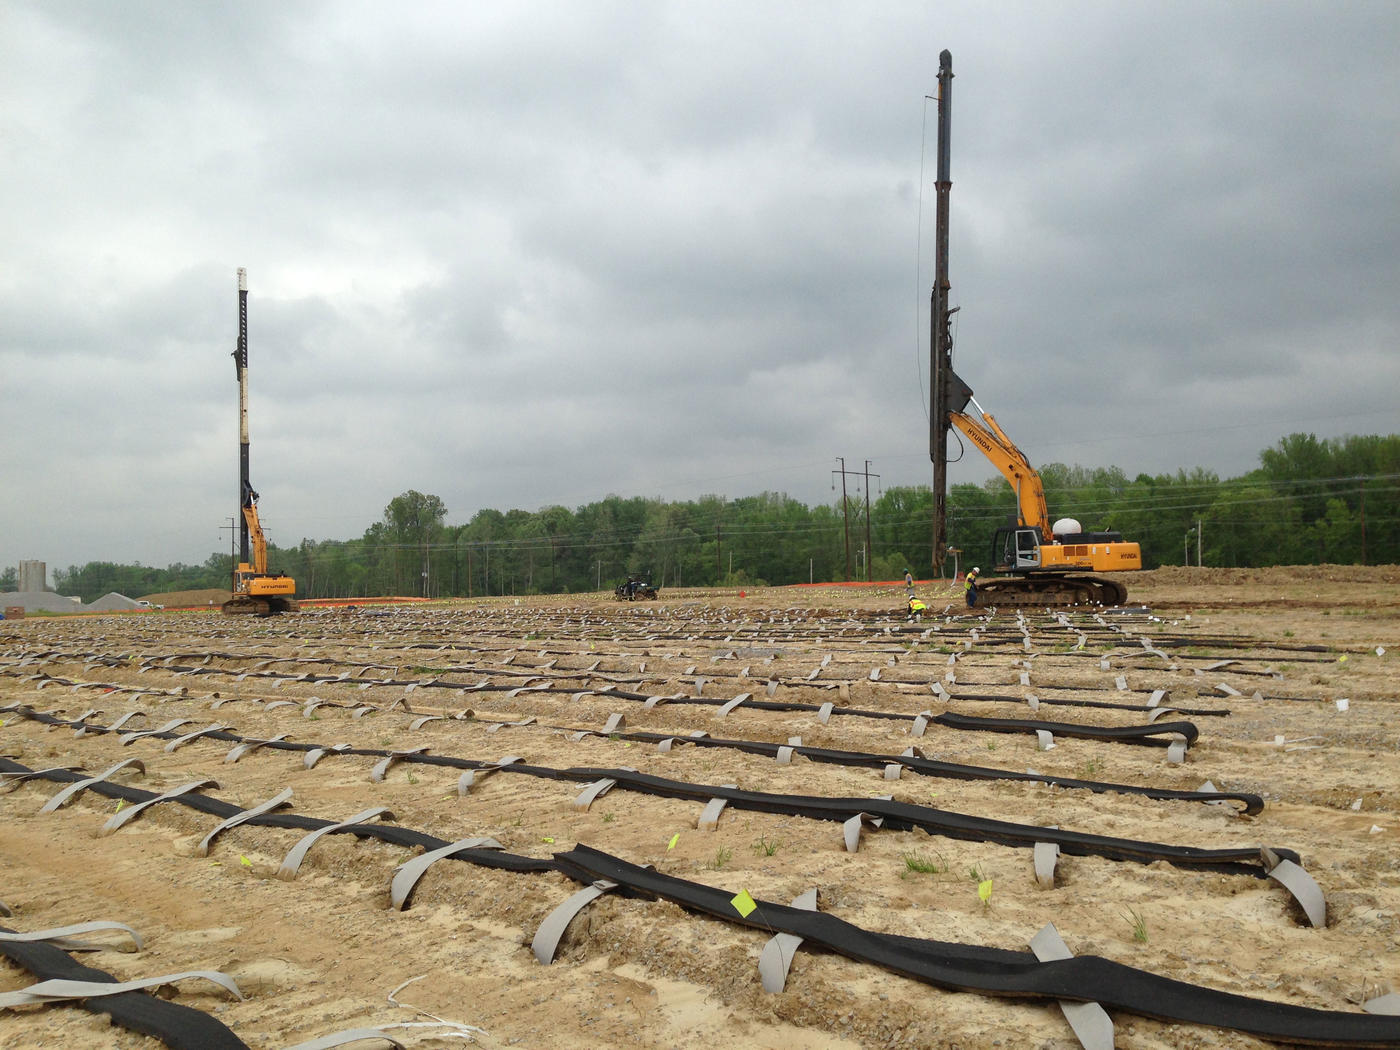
(940, 335)
(240, 358)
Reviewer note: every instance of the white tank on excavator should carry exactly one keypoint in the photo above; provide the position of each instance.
(1066, 527)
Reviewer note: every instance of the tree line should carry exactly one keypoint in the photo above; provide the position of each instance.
(1310, 501)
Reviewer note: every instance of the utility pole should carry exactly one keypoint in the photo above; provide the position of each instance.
(1361, 487)
(845, 512)
(232, 527)
(1198, 543)
(868, 476)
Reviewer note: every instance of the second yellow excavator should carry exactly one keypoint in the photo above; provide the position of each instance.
(256, 591)
(1046, 563)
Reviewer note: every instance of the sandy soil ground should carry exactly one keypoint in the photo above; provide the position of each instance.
(324, 951)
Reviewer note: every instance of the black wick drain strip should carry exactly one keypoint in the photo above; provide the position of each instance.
(962, 967)
(1107, 705)
(912, 759)
(1250, 804)
(997, 971)
(898, 816)
(538, 673)
(1125, 734)
(1160, 734)
(177, 1026)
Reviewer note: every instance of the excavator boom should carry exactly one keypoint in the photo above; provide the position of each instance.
(1014, 466)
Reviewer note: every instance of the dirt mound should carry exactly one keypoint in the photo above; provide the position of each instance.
(1209, 576)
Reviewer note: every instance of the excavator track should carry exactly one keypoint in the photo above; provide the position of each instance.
(1052, 591)
(247, 605)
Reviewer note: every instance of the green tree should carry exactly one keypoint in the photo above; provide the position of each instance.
(414, 521)
(1249, 525)
(1338, 534)
(902, 520)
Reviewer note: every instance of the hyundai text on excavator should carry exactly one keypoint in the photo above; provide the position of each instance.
(256, 592)
(1045, 563)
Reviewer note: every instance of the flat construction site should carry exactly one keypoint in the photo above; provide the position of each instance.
(615, 724)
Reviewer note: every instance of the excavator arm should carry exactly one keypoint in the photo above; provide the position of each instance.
(1003, 454)
(256, 539)
(255, 590)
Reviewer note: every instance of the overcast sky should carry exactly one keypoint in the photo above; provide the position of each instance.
(529, 253)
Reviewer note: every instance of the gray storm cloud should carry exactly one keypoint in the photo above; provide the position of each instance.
(474, 233)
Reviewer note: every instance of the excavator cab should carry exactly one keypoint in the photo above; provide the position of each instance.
(1016, 549)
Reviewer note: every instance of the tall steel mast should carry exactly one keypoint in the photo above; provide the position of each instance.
(940, 334)
(240, 359)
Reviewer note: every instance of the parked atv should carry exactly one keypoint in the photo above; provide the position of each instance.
(635, 588)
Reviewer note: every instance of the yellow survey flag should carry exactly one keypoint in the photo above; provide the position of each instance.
(674, 839)
(984, 890)
(743, 903)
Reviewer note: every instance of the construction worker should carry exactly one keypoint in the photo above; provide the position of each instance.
(970, 586)
(909, 581)
(916, 608)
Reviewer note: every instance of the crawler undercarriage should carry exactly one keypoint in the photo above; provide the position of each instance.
(1052, 591)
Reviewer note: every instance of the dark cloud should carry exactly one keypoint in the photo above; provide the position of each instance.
(536, 254)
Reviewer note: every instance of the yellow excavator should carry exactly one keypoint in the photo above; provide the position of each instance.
(1045, 563)
(256, 591)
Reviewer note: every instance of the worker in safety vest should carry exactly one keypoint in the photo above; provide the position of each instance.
(916, 608)
(970, 585)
